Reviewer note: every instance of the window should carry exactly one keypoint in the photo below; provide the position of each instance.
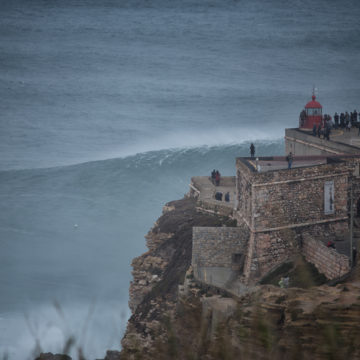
(329, 207)
(313, 111)
(237, 258)
(238, 262)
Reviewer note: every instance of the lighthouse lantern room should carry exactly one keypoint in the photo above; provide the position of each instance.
(312, 114)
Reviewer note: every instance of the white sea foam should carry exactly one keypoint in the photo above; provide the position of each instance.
(199, 139)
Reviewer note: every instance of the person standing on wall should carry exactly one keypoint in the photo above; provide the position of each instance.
(252, 150)
(289, 159)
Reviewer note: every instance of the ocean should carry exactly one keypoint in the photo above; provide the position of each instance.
(107, 108)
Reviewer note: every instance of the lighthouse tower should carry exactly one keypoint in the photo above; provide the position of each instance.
(311, 115)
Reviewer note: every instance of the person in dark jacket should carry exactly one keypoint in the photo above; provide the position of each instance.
(289, 159)
(347, 121)
(355, 116)
(319, 130)
(314, 130)
(336, 119)
(342, 120)
(327, 132)
(213, 174)
(252, 150)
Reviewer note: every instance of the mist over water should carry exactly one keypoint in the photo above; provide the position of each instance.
(109, 107)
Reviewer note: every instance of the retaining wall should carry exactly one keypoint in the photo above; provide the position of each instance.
(218, 253)
(327, 260)
(214, 246)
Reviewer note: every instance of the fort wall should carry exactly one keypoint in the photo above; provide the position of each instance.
(292, 198)
(280, 212)
(280, 206)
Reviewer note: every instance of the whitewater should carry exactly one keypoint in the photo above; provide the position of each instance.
(107, 110)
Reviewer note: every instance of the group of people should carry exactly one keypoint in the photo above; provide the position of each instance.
(346, 120)
(324, 130)
(219, 196)
(215, 177)
(343, 121)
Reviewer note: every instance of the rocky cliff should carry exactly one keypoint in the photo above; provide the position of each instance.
(191, 322)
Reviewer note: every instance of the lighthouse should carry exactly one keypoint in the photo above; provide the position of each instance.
(312, 114)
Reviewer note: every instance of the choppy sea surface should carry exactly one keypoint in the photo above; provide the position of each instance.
(107, 108)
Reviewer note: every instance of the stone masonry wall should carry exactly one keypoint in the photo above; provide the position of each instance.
(325, 232)
(328, 261)
(279, 206)
(214, 246)
(272, 248)
(354, 169)
(289, 197)
(243, 192)
(297, 202)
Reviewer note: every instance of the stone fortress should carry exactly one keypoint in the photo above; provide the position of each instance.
(283, 212)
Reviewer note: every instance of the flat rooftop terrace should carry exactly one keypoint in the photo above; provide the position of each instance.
(264, 164)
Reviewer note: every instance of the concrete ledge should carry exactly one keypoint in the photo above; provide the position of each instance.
(308, 143)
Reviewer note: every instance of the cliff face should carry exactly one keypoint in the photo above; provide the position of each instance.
(158, 273)
(196, 323)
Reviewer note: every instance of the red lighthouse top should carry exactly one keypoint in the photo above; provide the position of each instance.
(311, 115)
(313, 104)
